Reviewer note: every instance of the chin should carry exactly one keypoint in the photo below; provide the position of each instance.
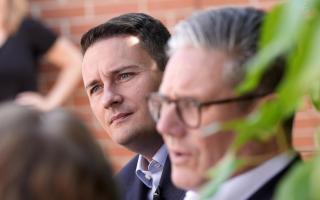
(123, 141)
(126, 138)
(186, 179)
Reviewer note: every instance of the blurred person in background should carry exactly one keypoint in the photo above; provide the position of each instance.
(123, 62)
(23, 42)
(50, 156)
(208, 53)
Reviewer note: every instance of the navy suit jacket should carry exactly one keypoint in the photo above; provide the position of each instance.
(267, 191)
(131, 188)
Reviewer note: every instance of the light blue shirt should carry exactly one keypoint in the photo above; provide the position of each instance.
(150, 173)
(241, 187)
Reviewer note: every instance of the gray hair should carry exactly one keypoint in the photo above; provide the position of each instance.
(234, 31)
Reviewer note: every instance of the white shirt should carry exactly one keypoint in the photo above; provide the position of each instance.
(241, 187)
(150, 175)
(191, 195)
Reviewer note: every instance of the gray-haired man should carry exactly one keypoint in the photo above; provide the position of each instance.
(208, 54)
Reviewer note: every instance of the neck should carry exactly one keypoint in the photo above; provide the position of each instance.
(148, 153)
(147, 149)
(256, 153)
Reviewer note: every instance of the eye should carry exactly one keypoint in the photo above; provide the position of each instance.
(125, 76)
(94, 89)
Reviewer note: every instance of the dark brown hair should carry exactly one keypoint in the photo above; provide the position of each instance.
(152, 33)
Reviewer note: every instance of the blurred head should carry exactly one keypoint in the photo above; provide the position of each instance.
(12, 13)
(50, 156)
(208, 55)
(123, 62)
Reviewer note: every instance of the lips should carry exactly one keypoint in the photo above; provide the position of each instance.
(119, 117)
(179, 157)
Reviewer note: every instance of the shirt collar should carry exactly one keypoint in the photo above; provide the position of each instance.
(146, 173)
(191, 195)
(243, 186)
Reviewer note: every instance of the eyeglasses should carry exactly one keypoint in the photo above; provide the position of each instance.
(188, 109)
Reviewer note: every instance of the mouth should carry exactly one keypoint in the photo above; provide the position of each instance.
(119, 118)
(179, 157)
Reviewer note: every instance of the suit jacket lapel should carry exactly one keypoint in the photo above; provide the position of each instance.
(167, 190)
(138, 192)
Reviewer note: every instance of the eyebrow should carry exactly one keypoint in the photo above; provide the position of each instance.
(123, 68)
(94, 82)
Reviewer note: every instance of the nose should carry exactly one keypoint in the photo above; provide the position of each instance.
(111, 98)
(169, 122)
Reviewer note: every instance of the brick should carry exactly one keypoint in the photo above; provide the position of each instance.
(304, 143)
(81, 28)
(81, 101)
(65, 11)
(268, 4)
(307, 123)
(114, 9)
(119, 151)
(167, 5)
(219, 3)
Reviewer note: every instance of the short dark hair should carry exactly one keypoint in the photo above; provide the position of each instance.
(152, 33)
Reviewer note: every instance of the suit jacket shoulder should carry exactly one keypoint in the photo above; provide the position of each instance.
(131, 188)
(127, 173)
(167, 190)
(268, 190)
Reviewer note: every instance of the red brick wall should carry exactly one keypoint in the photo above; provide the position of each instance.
(74, 17)
(306, 124)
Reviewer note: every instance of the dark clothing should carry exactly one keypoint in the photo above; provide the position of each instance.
(19, 56)
(267, 191)
(131, 187)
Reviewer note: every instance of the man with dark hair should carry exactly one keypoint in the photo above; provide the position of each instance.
(208, 55)
(123, 62)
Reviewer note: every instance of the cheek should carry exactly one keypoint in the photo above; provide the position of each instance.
(214, 148)
(203, 156)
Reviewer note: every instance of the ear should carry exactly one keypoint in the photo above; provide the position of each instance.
(251, 106)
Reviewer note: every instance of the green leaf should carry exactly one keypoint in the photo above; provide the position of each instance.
(296, 185)
(314, 178)
(275, 40)
(317, 139)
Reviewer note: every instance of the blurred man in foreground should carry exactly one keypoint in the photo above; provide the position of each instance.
(208, 55)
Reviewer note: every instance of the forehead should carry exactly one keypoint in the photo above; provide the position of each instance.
(110, 54)
(195, 72)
